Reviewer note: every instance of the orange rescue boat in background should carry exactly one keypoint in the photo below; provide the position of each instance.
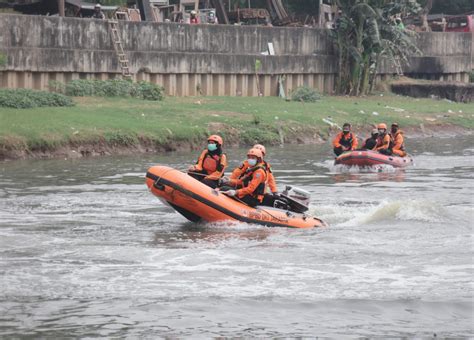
(198, 202)
(367, 158)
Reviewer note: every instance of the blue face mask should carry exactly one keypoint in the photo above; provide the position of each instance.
(212, 147)
(252, 161)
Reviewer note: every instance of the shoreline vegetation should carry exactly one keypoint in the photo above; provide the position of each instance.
(106, 126)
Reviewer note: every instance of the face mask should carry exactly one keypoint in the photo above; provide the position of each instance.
(394, 130)
(381, 132)
(212, 147)
(252, 161)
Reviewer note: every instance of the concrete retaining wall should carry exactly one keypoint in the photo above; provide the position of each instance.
(193, 59)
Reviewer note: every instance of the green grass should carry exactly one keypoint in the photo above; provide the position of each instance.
(117, 121)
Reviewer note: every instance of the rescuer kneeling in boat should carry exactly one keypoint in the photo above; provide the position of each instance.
(252, 182)
(396, 141)
(345, 140)
(211, 163)
(269, 198)
(383, 140)
(371, 142)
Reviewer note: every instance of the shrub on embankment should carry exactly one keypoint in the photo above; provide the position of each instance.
(26, 99)
(110, 88)
(305, 94)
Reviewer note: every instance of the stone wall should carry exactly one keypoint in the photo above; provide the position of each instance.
(197, 59)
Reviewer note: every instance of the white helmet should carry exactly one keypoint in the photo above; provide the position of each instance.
(97, 6)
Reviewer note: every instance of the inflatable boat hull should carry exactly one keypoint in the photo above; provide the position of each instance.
(198, 202)
(366, 158)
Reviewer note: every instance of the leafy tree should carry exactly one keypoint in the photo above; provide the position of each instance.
(365, 32)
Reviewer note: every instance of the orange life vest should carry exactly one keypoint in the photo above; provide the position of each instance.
(393, 139)
(211, 163)
(259, 192)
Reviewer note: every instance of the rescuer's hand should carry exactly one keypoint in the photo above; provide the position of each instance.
(224, 181)
(230, 193)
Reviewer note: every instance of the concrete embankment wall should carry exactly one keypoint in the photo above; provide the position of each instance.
(197, 59)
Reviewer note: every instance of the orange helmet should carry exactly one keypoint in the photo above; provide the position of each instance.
(215, 138)
(382, 126)
(261, 148)
(255, 152)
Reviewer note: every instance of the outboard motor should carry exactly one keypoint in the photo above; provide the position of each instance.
(296, 199)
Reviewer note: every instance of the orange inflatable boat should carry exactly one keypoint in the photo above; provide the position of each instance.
(198, 202)
(366, 158)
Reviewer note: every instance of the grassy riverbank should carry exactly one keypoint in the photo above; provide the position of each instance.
(107, 125)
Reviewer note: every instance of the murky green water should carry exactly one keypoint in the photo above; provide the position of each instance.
(86, 250)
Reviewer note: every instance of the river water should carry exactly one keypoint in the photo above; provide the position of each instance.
(86, 251)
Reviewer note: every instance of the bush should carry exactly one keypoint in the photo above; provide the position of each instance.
(149, 91)
(305, 94)
(25, 99)
(114, 88)
(56, 86)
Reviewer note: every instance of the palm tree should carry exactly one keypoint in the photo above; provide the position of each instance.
(365, 32)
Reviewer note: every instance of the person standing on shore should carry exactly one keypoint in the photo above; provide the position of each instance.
(211, 164)
(193, 20)
(98, 14)
(345, 140)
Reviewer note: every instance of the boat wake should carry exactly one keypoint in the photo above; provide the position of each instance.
(410, 210)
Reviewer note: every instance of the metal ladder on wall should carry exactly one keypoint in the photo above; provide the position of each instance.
(122, 58)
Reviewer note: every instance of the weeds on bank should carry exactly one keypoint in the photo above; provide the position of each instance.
(305, 94)
(109, 88)
(26, 99)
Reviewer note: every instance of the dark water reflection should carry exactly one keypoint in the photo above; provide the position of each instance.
(86, 251)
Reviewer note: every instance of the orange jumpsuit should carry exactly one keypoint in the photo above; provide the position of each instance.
(252, 183)
(240, 171)
(383, 142)
(396, 144)
(348, 141)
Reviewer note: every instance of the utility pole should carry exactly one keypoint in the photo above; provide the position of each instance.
(61, 7)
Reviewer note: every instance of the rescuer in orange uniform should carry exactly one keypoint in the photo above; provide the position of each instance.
(252, 182)
(244, 166)
(269, 198)
(211, 163)
(396, 141)
(383, 140)
(345, 140)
